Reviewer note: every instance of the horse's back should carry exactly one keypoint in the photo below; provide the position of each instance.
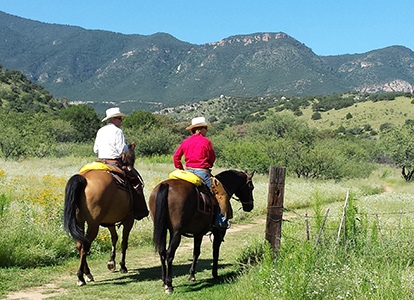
(182, 206)
(179, 193)
(104, 202)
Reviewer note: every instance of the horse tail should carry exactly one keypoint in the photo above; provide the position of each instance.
(73, 190)
(161, 217)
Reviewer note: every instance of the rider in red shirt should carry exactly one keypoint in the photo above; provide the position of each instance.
(198, 151)
(199, 156)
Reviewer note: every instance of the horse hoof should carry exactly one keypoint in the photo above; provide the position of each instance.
(192, 278)
(169, 290)
(89, 278)
(123, 270)
(81, 283)
(111, 265)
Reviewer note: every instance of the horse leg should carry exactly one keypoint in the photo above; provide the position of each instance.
(218, 239)
(83, 252)
(83, 265)
(124, 245)
(82, 261)
(175, 240)
(196, 254)
(162, 253)
(114, 238)
(82, 258)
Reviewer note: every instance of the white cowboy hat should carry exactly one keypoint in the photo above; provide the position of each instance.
(113, 113)
(198, 122)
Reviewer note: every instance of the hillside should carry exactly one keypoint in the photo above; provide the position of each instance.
(362, 111)
(370, 113)
(152, 72)
(19, 94)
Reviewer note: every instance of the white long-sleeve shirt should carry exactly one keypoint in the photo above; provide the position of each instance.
(110, 142)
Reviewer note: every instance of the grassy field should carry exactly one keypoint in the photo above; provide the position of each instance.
(375, 262)
(372, 113)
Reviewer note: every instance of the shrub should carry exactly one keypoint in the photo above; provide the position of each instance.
(153, 141)
(84, 119)
(316, 116)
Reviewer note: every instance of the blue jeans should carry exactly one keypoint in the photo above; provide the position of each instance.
(203, 175)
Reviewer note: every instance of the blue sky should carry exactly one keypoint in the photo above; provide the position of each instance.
(328, 27)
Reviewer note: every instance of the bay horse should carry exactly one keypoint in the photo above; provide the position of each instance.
(173, 206)
(93, 197)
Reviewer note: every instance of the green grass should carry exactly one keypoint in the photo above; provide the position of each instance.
(372, 113)
(374, 262)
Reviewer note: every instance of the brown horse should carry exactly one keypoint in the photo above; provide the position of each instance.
(173, 206)
(94, 197)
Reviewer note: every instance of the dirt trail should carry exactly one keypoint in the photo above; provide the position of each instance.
(38, 293)
(53, 290)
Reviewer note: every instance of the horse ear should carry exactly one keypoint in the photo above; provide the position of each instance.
(251, 174)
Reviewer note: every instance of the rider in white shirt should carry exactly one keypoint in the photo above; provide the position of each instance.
(110, 141)
(109, 145)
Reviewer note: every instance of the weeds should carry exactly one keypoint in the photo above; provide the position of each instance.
(373, 259)
(368, 262)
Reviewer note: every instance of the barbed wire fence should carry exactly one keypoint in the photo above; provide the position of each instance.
(383, 221)
(388, 222)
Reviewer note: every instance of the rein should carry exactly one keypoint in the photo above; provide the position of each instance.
(248, 185)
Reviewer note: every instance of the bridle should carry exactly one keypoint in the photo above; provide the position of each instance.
(248, 185)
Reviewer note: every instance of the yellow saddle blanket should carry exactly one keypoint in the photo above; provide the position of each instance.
(96, 165)
(185, 175)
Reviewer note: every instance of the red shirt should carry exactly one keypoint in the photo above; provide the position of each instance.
(198, 153)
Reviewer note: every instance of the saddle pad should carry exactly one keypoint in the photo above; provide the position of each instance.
(188, 176)
(96, 165)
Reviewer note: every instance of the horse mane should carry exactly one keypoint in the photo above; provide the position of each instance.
(228, 176)
(129, 155)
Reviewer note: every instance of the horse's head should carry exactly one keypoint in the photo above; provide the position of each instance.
(128, 158)
(240, 184)
(245, 192)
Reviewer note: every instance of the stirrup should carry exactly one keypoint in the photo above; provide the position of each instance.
(225, 225)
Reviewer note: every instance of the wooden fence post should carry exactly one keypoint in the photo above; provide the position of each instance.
(275, 206)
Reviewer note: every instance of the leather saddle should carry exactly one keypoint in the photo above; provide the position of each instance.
(206, 202)
(117, 173)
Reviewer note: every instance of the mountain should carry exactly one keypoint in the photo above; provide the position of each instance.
(156, 71)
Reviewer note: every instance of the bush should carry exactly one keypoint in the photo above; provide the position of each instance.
(84, 119)
(244, 155)
(153, 141)
(316, 116)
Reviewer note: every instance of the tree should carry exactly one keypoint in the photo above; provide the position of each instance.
(316, 115)
(140, 120)
(84, 119)
(25, 135)
(398, 143)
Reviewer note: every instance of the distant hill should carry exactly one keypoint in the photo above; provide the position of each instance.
(152, 72)
(21, 95)
(351, 111)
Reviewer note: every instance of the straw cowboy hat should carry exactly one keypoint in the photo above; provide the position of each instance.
(113, 113)
(198, 122)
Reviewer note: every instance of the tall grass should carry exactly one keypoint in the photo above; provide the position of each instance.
(31, 213)
(31, 210)
(372, 257)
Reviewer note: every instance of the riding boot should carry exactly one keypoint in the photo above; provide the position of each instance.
(139, 205)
